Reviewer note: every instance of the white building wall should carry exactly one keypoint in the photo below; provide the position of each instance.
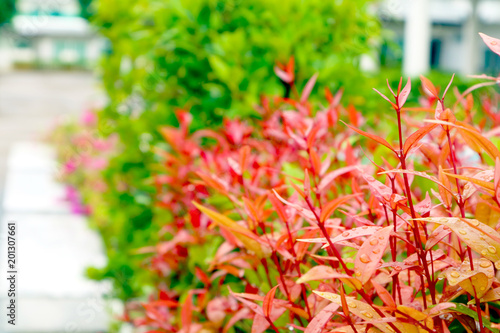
(6, 58)
(46, 7)
(45, 50)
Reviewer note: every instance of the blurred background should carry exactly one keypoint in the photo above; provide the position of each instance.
(85, 84)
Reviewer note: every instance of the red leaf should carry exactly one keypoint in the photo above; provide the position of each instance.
(404, 94)
(387, 99)
(260, 324)
(307, 184)
(321, 319)
(492, 43)
(267, 305)
(384, 295)
(308, 88)
(429, 86)
(371, 136)
(352, 233)
(329, 208)
(436, 236)
(284, 76)
(448, 86)
(368, 257)
(187, 312)
(311, 137)
(278, 206)
(322, 272)
(241, 314)
(330, 177)
(202, 276)
(416, 136)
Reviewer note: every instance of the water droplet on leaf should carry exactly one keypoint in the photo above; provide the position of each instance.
(484, 263)
(367, 314)
(364, 258)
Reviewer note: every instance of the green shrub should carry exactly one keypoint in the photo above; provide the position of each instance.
(212, 58)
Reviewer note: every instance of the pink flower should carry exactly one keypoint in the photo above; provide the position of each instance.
(88, 118)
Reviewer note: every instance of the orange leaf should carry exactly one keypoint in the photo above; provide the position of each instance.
(330, 207)
(485, 184)
(384, 295)
(429, 86)
(445, 195)
(267, 305)
(242, 233)
(475, 282)
(359, 308)
(322, 272)
(478, 236)
(416, 137)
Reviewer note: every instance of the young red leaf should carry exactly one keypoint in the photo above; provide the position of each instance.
(303, 211)
(308, 88)
(429, 86)
(307, 184)
(479, 236)
(329, 208)
(202, 276)
(368, 257)
(443, 193)
(242, 233)
(448, 86)
(360, 309)
(416, 136)
(385, 97)
(278, 206)
(389, 86)
(267, 305)
(321, 319)
(384, 295)
(484, 184)
(404, 94)
(322, 272)
(311, 137)
(284, 76)
(371, 136)
(187, 311)
(492, 43)
(330, 177)
(475, 282)
(418, 173)
(353, 233)
(437, 235)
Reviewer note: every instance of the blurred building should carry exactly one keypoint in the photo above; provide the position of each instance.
(442, 34)
(49, 34)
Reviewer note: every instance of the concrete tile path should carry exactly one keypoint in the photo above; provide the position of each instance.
(53, 246)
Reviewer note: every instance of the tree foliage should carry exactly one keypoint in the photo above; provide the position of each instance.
(7, 10)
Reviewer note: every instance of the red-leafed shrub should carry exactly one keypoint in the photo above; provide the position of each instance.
(300, 221)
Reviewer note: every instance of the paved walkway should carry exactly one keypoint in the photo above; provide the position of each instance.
(53, 246)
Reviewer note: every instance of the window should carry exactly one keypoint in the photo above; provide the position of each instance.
(491, 63)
